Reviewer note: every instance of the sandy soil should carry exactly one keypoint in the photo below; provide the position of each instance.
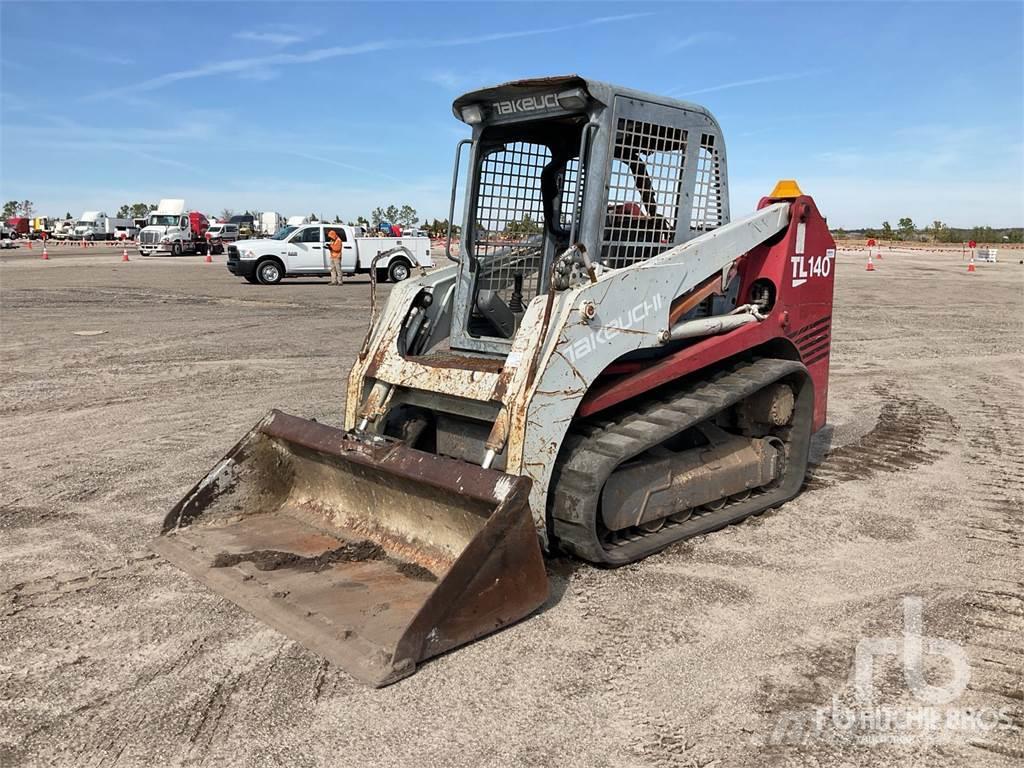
(109, 656)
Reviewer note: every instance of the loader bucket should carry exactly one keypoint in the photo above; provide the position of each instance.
(370, 553)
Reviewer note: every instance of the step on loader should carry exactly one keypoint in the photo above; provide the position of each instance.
(610, 364)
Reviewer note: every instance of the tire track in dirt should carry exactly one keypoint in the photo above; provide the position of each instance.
(994, 448)
(899, 441)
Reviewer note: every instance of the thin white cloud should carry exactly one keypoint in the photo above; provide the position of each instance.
(340, 164)
(258, 63)
(778, 78)
(446, 79)
(671, 46)
(462, 81)
(271, 38)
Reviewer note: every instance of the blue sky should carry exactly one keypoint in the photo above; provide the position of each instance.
(880, 110)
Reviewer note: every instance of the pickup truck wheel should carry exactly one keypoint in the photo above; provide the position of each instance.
(175, 249)
(399, 270)
(269, 272)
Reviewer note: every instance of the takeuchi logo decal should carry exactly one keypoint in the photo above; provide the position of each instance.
(630, 319)
(526, 104)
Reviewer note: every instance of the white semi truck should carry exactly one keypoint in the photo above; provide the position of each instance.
(303, 251)
(96, 225)
(173, 231)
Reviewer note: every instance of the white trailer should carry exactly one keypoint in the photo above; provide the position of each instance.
(270, 222)
(96, 225)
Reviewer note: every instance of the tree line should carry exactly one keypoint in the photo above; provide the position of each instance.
(936, 232)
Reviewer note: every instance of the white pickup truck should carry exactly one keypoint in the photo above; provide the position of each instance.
(302, 251)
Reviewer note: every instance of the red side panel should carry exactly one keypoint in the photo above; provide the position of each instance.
(801, 267)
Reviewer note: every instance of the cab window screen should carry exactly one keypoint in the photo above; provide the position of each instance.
(645, 191)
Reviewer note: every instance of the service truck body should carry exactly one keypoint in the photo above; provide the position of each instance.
(64, 230)
(304, 251)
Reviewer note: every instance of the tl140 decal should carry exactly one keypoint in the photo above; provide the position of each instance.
(806, 267)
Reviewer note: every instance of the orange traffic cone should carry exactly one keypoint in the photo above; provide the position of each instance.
(209, 258)
(124, 253)
(970, 264)
(871, 264)
(45, 256)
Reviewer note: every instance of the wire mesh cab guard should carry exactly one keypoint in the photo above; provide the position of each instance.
(654, 176)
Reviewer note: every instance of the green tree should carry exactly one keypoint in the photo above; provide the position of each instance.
(10, 209)
(887, 232)
(67, 216)
(140, 210)
(404, 216)
(941, 232)
(312, 217)
(906, 228)
(522, 228)
(124, 211)
(407, 217)
(26, 208)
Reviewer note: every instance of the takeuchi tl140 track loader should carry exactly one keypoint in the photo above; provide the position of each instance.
(611, 365)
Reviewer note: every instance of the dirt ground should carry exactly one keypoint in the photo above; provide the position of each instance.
(698, 656)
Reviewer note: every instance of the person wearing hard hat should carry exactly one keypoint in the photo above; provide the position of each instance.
(334, 243)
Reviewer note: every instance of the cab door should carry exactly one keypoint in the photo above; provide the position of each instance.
(306, 250)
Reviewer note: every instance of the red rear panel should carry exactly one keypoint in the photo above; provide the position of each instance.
(800, 266)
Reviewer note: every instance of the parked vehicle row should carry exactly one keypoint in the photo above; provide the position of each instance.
(297, 248)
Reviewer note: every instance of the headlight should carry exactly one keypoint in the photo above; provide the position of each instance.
(248, 254)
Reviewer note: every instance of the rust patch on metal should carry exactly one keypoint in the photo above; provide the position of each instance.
(461, 362)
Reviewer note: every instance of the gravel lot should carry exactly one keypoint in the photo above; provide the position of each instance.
(695, 657)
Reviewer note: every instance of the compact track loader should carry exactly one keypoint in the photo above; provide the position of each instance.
(611, 364)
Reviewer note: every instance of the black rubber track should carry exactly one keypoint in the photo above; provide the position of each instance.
(594, 448)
